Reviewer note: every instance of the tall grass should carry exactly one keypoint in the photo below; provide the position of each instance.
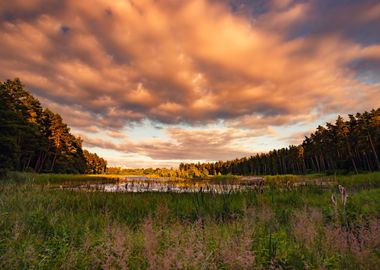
(360, 181)
(281, 180)
(49, 178)
(278, 229)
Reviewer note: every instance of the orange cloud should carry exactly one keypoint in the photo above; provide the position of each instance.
(212, 144)
(250, 64)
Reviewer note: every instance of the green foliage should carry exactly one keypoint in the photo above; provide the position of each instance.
(360, 181)
(48, 228)
(95, 164)
(344, 147)
(148, 172)
(35, 139)
(52, 179)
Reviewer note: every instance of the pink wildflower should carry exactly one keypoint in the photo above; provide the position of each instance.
(343, 193)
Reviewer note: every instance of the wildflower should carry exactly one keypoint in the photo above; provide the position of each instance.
(343, 193)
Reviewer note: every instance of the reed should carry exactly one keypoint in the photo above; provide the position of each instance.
(48, 228)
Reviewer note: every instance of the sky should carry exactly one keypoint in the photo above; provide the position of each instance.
(151, 83)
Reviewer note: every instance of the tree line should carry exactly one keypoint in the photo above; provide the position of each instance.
(33, 138)
(159, 172)
(351, 145)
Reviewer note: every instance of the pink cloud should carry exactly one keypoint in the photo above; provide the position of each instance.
(107, 64)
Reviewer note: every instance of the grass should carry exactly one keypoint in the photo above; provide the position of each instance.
(282, 180)
(292, 228)
(360, 181)
(54, 179)
(224, 179)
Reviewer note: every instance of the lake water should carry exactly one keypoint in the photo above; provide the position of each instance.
(144, 184)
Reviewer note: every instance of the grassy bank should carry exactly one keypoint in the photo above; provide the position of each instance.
(54, 179)
(295, 228)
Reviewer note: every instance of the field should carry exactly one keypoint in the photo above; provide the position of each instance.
(292, 223)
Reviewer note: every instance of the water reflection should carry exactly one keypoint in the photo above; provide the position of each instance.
(144, 184)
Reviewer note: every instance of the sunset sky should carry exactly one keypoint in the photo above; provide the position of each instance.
(150, 83)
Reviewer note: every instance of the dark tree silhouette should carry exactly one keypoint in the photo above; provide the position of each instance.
(340, 147)
(33, 138)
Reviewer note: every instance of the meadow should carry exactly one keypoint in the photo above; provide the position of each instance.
(294, 222)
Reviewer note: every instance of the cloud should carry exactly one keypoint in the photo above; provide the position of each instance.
(257, 121)
(152, 59)
(210, 144)
(116, 134)
(297, 137)
(249, 64)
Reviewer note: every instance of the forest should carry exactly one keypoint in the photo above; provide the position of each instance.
(346, 146)
(58, 220)
(342, 147)
(35, 139)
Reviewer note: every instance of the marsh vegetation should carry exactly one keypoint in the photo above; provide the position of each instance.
(281, 227)
(311, 206)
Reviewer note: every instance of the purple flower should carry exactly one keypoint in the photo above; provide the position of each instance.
(343, 194)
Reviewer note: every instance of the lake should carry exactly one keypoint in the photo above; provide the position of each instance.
(145, 184)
